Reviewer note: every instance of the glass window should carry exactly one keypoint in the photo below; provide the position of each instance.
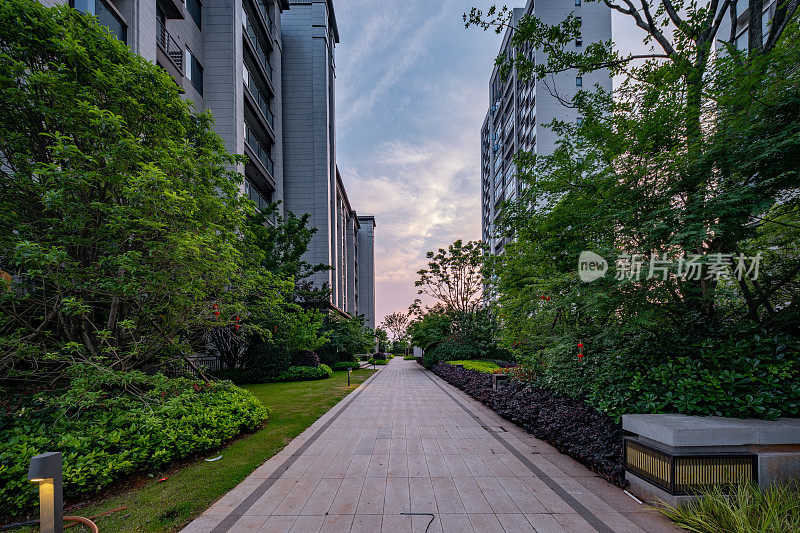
(195, 9)
(579, 81)
(579, 41)
(577, 2)
(194, 71)
(105, 16)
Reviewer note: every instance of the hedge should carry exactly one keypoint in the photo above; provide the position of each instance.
(106, 432)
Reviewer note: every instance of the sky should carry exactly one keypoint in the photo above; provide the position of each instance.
(411, 96)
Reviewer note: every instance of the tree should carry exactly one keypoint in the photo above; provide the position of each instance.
(670, 90)
(281, 242)
(383, 339)
(430, 327)
(453, 276)
(119, 213)
(396, 323)
(346, 338)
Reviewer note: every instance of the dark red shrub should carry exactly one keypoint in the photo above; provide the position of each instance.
(305, 358)
(569, 425)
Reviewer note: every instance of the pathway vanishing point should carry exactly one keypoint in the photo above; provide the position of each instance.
(408, 452)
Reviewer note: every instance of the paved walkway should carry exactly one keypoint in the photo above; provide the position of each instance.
(406, 448)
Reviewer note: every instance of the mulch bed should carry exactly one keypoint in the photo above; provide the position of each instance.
(571, 426)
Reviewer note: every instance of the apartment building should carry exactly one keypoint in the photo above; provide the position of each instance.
(265, 70)
(739, 35)
(519, 111)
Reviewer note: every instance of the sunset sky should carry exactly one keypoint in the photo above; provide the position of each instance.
(411, 95)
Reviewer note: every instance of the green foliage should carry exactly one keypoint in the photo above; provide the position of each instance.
(109, 425)
(697, 156)
(346, 337)
(374, 361)
(747, 510)
(431, 327)
(454, 347)
(383, 339)
(119, 215)
(265, 361)
(345, 365)
(409, 358)
(454, 276)
(305, 373)
(481, 366)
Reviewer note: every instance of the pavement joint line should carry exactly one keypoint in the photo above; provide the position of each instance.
(228, 522)
(570, 500)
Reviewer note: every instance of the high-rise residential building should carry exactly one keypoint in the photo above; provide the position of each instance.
(739, 36)
(520, 111)
(265, 69)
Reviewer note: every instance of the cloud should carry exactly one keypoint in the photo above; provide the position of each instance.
(412, 88)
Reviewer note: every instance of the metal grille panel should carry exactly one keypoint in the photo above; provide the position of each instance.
(685, 474)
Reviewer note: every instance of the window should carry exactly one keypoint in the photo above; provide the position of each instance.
(578, 41)
(195, 9)
(579, 81)
(194, 71)
(577, 2)
(105, 15)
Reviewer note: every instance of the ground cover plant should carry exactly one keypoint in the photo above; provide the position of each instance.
(409, 357)
(344, 365)
(486, 367)
(747, 510)
(571, 426)
(305, 373)
(113, 425)
(192, 486)
(377, 361)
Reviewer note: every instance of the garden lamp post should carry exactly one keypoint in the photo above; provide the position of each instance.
(348, 376)
(45, 469)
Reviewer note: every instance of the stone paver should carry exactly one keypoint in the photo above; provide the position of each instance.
(405, 448)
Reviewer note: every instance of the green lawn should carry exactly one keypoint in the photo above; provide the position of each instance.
(194, 485)
(480, 366)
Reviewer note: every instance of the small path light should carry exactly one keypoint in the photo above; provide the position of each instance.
(45, 469)
(348, 376)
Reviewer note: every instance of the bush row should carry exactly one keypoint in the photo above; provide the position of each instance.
(105, 431)
(569, 425)
(346, 365)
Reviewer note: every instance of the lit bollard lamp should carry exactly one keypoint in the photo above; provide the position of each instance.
(348, 376)
(45, 469)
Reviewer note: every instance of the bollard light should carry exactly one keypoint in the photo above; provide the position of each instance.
(348, 376)
(45, 469)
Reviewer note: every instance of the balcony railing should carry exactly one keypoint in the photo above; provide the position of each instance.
(261, 152)
(261, 100)
(170, 46)
(262, 51)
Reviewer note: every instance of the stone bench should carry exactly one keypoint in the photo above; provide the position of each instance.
(669, 456)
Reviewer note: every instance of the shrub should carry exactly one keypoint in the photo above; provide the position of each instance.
(571, 426)
(345, 365)
(481, 366)
(265, 361)
(451, 348)
(750, 376)
(409, 358)
(746, 510)
(363, 356)
(374, 361)
(105, 431)
(305, 358)
(305, 373)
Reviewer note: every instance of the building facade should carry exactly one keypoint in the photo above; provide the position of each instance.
(520, 111)
(265, 70)
(739, 35)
